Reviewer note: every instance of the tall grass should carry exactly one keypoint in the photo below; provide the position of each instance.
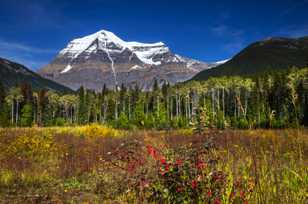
(99, 164)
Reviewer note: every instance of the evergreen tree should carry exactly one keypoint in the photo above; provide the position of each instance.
(155, 85)
(82, 107)
(26, 91)
(2, 95)
(3, 107)
(41, 105)
(26, 115)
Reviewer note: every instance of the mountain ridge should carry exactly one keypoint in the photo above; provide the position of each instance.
(275, 53)
(103, 58)
(12, 74)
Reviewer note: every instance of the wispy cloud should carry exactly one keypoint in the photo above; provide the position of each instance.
(233, 37)
(32, 57)
(223, 30)
(234, 46)
(28, 62)
(14, 46)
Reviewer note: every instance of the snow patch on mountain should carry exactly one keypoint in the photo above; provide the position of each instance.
(135, 67)
(102, 58)
(221, 61)
(67, 68)
(144, 51)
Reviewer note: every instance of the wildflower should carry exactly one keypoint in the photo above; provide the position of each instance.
(242, 194)
(166, 167)
(152, 152)
(217, 201)
(144, 184)
(162, 160)
(209, 193)
(131, 166)
(179, 162)
(162, 171)
(200, 165)
(194, 184)
(179, 189)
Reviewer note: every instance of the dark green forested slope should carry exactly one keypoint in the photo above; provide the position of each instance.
(268, 55)
(12, 74)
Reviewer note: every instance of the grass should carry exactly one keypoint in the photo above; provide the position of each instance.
(98, 164)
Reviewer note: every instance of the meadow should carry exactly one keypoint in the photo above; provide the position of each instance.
(99, 164)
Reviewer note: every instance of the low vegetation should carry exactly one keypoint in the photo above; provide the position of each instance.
(223, 140)
(98, 164)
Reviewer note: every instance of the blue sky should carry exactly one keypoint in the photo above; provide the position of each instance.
(33, 31)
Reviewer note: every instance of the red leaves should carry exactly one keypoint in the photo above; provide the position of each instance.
(179, 189)
(155, 154)
(194, 184)
(217, 201)
(163, 160)
(179, 162)
(158, 157)
(242, 194)
(152, 152)
(209, 193)
(200, 165)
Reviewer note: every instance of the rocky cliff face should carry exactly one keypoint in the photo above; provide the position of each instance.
(103, 58)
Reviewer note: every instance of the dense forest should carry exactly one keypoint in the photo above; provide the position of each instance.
(272, 100)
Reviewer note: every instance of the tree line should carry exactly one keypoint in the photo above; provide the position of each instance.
(272, 100)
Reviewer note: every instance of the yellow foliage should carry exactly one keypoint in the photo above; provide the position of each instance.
(93, 130)
(6, 177)
(31, 145)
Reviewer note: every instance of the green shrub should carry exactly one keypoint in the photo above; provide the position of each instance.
(60, 122)
(123, 121)
(243, 123)
(26, 116)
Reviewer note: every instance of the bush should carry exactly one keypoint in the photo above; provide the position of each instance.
(183, 175)
(6, 177)
(26, 116)
(123, 121)
(243, 123)
(60, 122)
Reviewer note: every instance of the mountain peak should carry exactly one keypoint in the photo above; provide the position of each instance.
(104, 58)
(108, 41)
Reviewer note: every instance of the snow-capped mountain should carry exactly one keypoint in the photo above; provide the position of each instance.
(103, 58)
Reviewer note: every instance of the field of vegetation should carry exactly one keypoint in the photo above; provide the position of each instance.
(98, 164)
(223, 140)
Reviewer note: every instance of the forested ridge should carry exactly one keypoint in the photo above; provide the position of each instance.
(277, 100)
(272, 54)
